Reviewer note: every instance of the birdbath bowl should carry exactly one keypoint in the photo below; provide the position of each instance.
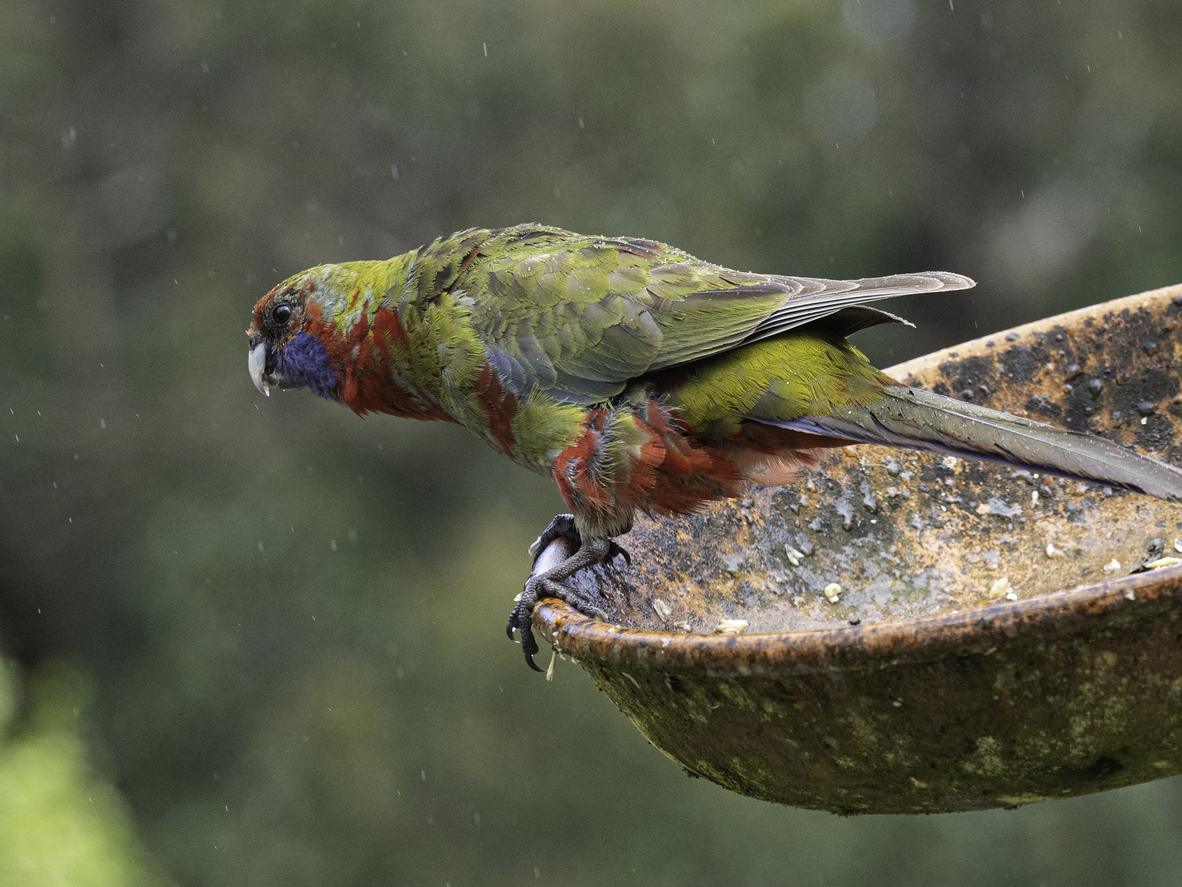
(921, 634)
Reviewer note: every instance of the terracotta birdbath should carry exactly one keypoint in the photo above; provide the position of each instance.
(911, 633)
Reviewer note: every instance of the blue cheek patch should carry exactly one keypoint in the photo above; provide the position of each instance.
(306, 363)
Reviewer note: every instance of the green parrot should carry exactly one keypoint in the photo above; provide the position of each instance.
(635, 375)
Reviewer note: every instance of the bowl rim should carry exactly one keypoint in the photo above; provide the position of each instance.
(1085, 608)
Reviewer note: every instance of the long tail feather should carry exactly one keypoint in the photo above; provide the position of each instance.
(914, 419)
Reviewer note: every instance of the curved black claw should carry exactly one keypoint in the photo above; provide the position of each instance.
(519, 620)
(550, 582)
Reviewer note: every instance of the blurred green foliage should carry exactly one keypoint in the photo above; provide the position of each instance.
(291, 620)
(60, 823)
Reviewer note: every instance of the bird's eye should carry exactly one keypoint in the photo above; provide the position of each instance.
(281, 314)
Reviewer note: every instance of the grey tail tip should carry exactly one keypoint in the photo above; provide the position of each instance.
(952, 280)
(912, 418)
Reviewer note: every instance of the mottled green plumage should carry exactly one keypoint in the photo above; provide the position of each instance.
(636, 375)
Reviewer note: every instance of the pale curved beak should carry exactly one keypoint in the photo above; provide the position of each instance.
(257, 364)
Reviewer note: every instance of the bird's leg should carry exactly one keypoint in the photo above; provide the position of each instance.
(549, 583)
(563, 527)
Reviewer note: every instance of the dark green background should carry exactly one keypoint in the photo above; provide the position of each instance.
(257, 641)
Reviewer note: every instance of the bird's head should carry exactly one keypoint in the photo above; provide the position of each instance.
(291, 335)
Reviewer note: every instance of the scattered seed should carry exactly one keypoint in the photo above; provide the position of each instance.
(1163, 562)
(731, 626)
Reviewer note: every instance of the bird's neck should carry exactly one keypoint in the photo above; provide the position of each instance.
(367, 338)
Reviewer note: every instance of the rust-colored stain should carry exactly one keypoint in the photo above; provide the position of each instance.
(990, 644)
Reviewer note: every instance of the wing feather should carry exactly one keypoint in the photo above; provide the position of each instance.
(583, 316)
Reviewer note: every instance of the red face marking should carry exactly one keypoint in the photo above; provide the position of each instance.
(367, 384)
